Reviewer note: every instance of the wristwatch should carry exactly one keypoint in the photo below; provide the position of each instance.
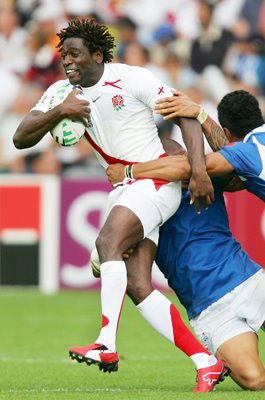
(202, 117)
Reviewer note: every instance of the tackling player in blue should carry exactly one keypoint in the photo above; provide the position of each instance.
(222, 289)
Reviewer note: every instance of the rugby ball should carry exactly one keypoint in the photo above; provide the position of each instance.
(68, 131)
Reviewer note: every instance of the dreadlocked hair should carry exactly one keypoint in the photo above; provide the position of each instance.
(95, 36)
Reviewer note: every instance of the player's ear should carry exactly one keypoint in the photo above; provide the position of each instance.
(98, 57)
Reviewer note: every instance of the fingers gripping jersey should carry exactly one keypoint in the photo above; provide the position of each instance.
(248, 160)
(122, 122)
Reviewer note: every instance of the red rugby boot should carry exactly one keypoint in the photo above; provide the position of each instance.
(208, 377)
(98, 354)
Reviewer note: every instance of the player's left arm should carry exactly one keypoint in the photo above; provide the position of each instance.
(171, 168)
(150, 91)
(200, 185)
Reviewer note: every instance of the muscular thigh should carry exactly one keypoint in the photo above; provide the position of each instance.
(136, 211)
(122, 229)
(152, 204)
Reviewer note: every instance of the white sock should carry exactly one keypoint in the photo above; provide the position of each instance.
(155, 308)
(113, 290)
(202, 360)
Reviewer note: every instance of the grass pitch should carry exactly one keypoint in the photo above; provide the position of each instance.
(37, 330)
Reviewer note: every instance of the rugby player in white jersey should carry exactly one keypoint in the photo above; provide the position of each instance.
(121, 128)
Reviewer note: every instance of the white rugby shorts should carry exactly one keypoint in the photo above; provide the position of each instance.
(152, 205)
(239, 311)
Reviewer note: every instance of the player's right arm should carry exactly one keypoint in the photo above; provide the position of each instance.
(38, 122)
(35, 126)
(149, 90)
(217, 165)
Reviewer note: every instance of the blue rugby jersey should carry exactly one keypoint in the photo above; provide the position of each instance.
(248, 160)
(198, 255)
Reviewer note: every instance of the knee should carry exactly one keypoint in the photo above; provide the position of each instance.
(138, 290)
(253, 380)
(99, 244)
(100, 248)
(105, 247)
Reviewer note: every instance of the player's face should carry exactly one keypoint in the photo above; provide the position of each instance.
(81, 67)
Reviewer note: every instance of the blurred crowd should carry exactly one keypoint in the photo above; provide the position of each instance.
(204, 48)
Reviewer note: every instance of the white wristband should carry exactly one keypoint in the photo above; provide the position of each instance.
(202, 117)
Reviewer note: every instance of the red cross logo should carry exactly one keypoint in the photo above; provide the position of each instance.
(161, 90)
(113, 84)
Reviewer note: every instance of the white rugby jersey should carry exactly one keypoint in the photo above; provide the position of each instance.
(121, 105)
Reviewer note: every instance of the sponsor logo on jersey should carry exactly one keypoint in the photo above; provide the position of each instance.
(118, 102)
(94, 100)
